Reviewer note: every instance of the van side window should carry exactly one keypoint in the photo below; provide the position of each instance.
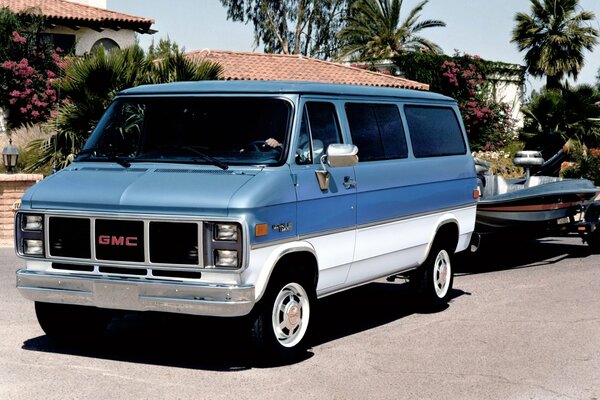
(434, 131)
(377, 131)
(319, 123)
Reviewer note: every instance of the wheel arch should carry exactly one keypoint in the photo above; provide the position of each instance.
(297, 257)
(447, 231)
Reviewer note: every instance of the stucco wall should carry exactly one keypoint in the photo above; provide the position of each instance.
(86, 37)
(511, 93)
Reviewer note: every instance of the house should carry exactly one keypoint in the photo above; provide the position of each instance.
(83, 25)
(507, 83)
(259, 66)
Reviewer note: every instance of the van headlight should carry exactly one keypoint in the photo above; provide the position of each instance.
(223, 245)
(228, 232)
(29, 234)
(32, 222)
(226, 259)
(33, 247)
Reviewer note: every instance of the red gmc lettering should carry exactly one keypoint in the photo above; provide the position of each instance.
(106, 240)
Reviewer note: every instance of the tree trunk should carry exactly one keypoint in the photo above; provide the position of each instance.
(553, 82)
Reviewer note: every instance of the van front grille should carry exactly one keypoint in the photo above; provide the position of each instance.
(173, 243)
(129, 241)
(70, 237)
(119, 240)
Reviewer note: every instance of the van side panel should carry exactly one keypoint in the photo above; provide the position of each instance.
(399, 205)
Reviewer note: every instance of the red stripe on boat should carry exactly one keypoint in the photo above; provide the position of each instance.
(535, 207)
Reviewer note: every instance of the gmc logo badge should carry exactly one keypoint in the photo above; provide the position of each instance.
(107, 240)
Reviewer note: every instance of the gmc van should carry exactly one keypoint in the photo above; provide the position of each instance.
(248, 199)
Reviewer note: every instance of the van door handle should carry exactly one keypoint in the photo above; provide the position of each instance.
(349, 183)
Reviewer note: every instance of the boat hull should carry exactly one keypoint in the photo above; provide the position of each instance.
(537, 208)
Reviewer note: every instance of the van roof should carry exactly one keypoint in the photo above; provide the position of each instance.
(278, 87)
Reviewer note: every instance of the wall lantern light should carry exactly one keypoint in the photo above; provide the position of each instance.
(10, 155)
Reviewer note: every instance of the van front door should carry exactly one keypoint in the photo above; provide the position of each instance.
(326, 218)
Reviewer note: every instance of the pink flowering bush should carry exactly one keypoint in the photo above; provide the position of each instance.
(487, 121)
(28, 69)
(30, 92)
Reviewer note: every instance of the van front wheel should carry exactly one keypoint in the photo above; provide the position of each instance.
(433, 280)
(73, 323)
(281, 322)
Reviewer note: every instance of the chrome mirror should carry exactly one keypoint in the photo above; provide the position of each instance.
(338, 155)
(341, 155)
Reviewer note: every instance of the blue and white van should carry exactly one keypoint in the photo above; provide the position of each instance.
(248, 199)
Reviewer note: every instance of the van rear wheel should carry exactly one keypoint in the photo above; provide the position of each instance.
(433, 280)
(281, 322)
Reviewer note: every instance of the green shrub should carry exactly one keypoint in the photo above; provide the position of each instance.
(501, 162)
(585, 164)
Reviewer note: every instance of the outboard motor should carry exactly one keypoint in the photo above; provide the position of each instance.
(528, 159)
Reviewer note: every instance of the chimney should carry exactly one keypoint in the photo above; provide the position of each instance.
(93, 3)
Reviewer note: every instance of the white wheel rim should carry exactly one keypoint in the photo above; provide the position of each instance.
(442, 274)
(291, 312)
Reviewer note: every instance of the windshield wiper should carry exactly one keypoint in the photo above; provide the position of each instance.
(107, 156)
(208, 158)
(212, 160)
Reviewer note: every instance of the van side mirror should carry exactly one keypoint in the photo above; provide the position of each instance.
(338, 155)
(341, 155)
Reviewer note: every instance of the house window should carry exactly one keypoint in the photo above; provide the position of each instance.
(107, 43)
(63, 41)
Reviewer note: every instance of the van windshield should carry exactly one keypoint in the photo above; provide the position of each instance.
(201, 130)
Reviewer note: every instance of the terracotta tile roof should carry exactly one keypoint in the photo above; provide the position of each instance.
(260, 66)
(66, 11)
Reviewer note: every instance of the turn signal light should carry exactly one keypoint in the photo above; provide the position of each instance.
(261, 230)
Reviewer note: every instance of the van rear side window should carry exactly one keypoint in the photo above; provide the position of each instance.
(377, 131)
(434, 131)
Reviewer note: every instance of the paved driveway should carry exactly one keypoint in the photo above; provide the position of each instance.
(525, 326)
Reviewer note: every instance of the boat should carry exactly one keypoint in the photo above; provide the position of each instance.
(534, 204)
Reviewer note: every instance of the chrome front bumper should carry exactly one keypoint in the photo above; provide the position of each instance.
(138, 295)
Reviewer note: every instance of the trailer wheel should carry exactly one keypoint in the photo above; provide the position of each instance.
(593, 240)
(66, 322)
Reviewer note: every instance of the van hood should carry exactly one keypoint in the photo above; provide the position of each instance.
(162, 189)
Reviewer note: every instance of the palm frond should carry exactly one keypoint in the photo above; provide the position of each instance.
(373, 30)
(91, 83)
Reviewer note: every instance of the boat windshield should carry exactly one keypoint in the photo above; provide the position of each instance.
(200, 130)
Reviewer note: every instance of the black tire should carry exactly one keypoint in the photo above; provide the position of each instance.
(434, 279)
(66, 322)
(593, 240)
(281, 319)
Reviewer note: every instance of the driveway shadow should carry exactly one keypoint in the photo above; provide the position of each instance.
(179, 341)
(505, 253)
(219, 344)
(367, 307)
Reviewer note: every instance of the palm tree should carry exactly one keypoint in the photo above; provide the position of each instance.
(89, 85)
(556, 116)
(554, 37)
(374, 30)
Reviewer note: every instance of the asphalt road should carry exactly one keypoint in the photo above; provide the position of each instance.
(523, 324)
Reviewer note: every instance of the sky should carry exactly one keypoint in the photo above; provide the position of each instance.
(477, 27)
